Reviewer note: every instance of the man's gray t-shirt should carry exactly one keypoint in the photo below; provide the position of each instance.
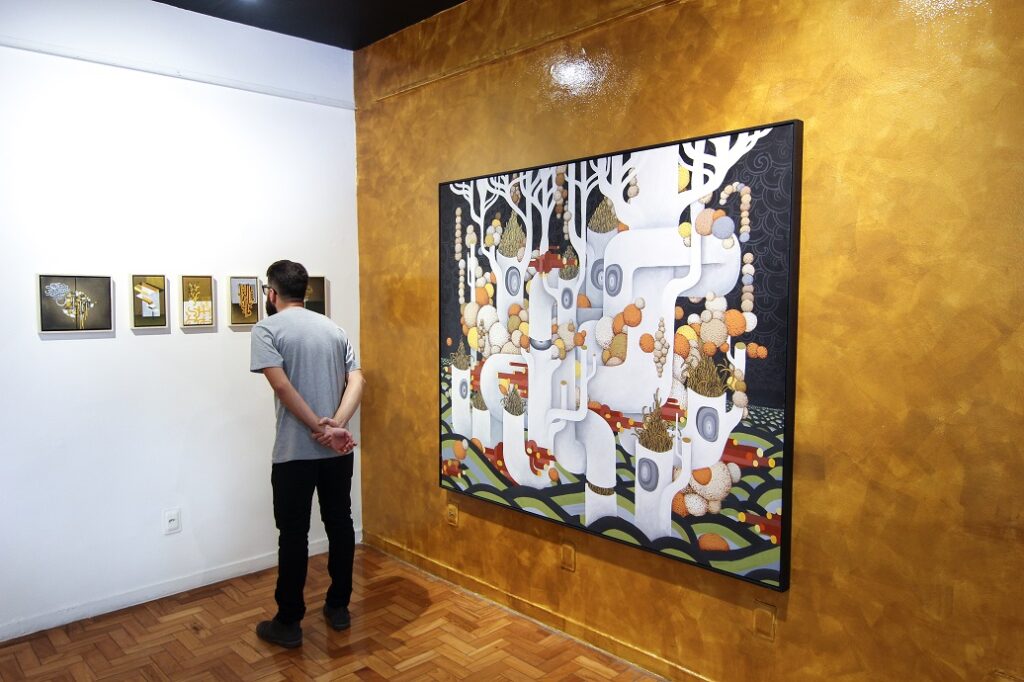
(316, 356)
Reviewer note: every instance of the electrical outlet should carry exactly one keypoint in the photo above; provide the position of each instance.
(452, 515)
(172, 521)
(568, 558)
(764, 620)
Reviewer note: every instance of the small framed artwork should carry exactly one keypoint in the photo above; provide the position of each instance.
(197, 301)
(73, 303)
(245, 301)
(149, 302)
(316, 295)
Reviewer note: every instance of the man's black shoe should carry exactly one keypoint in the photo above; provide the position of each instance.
(276, 632)
(338, 617)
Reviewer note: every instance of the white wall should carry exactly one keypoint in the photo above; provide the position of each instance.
(110, 171)
(158, 38)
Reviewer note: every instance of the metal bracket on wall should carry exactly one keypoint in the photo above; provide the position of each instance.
(764, 620)
(568, 558)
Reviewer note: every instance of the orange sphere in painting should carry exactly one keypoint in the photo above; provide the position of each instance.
(631, 315)
(647, 343)
(709, 349)
(681, 345)
(735, 323)
(713, 542)
(702, 476)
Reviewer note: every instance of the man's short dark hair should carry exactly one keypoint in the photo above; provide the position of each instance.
(289, 279)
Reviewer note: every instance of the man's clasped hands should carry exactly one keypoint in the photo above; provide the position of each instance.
(333, 435)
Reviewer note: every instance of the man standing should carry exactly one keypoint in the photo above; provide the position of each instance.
(312, 368)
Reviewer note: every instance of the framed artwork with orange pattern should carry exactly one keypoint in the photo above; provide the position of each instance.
(245, 301)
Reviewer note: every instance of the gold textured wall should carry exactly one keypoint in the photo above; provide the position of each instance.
(907, 514)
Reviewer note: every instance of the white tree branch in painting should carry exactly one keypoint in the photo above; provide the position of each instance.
(613, 177)
(707, 171)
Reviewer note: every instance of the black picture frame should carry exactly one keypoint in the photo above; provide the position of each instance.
(784, 145)
(75, 304)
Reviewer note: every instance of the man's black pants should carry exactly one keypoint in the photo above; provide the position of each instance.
(293, 484)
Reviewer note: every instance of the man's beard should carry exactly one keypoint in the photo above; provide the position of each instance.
(271, 308)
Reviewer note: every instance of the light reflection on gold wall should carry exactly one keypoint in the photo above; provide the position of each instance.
(908, 529)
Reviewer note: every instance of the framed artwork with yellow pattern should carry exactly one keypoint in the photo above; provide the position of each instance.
(197, 302)
(244, 300)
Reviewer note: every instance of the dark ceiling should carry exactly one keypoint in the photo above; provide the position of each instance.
(350, 24)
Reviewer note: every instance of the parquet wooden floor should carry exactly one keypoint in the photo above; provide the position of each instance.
(407, 625)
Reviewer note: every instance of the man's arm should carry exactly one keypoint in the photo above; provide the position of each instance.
(291, 399)
(351, 398)
(336, 434)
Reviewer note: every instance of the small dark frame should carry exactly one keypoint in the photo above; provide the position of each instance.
(89, 298)
(236, 313)
(316, 298)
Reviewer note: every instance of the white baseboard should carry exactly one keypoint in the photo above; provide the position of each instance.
(116, 602)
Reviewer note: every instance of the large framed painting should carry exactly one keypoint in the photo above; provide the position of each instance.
(73, 303)
(245, 301)
(197, 307)
(618, 350)
(149, 301)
